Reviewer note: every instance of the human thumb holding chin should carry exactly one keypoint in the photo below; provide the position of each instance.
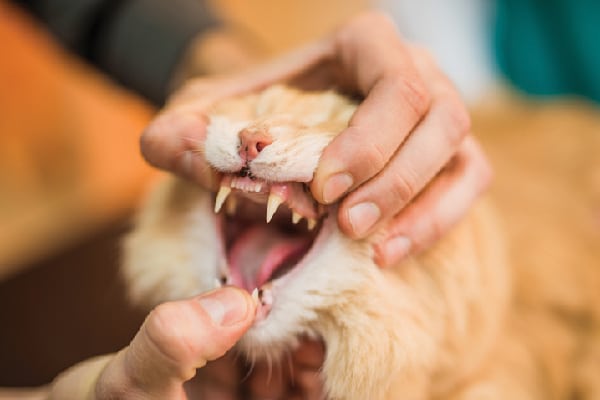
(175, 339)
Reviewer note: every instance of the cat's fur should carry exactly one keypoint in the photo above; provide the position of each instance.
(438, 325)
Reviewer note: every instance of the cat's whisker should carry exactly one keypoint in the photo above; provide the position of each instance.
(221, 197)
(272, 205)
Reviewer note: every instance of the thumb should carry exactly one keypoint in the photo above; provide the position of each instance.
(176, 339)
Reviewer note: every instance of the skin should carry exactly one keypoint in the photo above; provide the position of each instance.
(407, 161)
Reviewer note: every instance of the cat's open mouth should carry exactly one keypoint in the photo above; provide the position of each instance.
(264, 233)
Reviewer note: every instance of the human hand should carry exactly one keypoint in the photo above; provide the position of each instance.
(178, 354)
(176, 339)
(407, 158)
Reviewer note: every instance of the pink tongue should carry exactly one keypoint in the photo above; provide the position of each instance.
(258, 252)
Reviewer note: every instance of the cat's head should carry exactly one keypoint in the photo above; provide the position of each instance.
(264, 232)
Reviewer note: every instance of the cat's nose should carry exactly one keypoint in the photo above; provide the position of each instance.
(253, 142)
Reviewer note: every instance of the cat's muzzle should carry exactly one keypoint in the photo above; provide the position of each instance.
(262, 252)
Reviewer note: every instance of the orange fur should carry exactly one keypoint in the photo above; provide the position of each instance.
(459, 321)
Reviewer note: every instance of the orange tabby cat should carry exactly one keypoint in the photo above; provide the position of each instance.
(439, 325)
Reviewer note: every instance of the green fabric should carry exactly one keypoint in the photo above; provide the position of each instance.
(550, 47)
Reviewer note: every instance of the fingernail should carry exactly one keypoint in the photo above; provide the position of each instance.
(396, 249)
(362, 217)
(225, 306)
(336, 186)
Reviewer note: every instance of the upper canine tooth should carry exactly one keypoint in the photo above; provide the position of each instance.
(272, 205)
(296, 217)
(311, 223)
(221, 197)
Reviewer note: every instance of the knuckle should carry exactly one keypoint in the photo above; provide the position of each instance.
(378, 22)
(486, 172)
(434, 231)
(403, 188)
(476, 160)
(373, 156)
(456, 121)
(413, 91)
(151, 140)
(164, 329)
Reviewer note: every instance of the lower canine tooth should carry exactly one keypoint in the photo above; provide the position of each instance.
(272, 205)
(311, 223)
(255, 295)
(221, 197)
(296, 217)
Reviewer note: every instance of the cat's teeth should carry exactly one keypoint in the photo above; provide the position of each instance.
(296, 217)
(311, 223)
(255, 296)
(218, 283)
(272, 205)
(231, 205)
(221, 197)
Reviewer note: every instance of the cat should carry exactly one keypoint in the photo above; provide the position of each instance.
(437, 325)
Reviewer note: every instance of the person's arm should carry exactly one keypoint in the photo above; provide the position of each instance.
(140, 43)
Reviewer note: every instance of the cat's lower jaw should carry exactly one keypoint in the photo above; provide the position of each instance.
(430, 319)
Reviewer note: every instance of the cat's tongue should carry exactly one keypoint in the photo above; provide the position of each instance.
(259, 252)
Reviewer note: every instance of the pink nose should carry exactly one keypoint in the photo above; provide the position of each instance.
(253, 142)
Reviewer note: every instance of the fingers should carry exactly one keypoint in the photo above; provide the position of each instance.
(396, 99)
(405, 150)
(173, 142)
(441, 205)
(175, 340)
(421, 156)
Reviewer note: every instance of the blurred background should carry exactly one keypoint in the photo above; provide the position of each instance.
(71, 174)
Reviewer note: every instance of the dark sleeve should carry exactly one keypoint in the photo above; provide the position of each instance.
(137, 42)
